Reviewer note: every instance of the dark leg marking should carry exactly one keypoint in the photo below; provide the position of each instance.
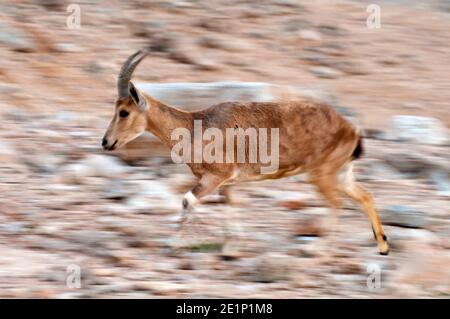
(185, 203)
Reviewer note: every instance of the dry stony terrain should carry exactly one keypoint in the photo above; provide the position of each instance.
(66, 204)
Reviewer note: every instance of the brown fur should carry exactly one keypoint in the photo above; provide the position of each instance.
(316, 134)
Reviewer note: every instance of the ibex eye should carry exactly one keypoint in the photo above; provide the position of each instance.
(123, 114)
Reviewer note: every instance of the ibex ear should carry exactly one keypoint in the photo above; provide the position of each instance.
(137, 97)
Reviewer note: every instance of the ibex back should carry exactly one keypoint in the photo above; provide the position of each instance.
(313, 139)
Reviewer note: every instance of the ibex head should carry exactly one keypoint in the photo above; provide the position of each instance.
(129, 118)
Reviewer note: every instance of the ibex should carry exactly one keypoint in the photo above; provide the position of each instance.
(313, 139)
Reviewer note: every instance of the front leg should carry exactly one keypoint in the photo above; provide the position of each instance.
(205, 186)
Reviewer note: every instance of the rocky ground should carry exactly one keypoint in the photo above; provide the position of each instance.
(66, 204)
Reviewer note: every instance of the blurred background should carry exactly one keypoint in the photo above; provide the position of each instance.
(69, 209)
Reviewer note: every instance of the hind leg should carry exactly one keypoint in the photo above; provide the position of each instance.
(225, 193)
(358, 194)
(224, 196)
(327, 185)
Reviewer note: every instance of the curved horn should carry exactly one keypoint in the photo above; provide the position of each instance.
(127, 70)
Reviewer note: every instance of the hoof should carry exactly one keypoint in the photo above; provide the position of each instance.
(384, 253)
(383, 247)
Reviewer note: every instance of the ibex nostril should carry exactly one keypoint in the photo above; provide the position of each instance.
(104, 142)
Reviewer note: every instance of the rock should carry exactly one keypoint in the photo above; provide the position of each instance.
(72, 174)
(93, 166)
(377, 169)
(310, 35)
(149, 30)
(315, 59)
(53, 244)
(211, 43)
(13, 228)
(67, 48)
(237, 45)
(231, 251)
(115, 288)
(91, 240)
(304, 281)
(316, 94)
(295, 24)
(418, 129)
(325, 72)
(161, 43)
(103, 272)
(119, 258)
(181, 57)
(44, 163)
(404, 216)
(186, 265)
(308, 227)
(345, 111)
(64, 116)
(373, 133)
(93, 67)
(9, 9)
(15, 38)
(412, 105)
(8, 152)
(137, 203)
(198, 95)
(161, 288)
(332, 30)
(346, 266)
(351, 68)
(15, 114)
(308, 247)
(440, 179)
(118, 190)
(105, 166)
(217, 25)
(288, 3)
(9, 89)
(292, 204)
(54, 5)
(208, 64)
(272, 267)
(417, 235)
(409, 163)
(153, 195)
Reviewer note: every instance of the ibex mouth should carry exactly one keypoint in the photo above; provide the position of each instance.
(112, 147)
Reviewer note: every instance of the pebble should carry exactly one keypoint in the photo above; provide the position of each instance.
(310, 35)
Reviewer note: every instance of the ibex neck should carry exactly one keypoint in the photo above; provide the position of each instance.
(163, 119)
